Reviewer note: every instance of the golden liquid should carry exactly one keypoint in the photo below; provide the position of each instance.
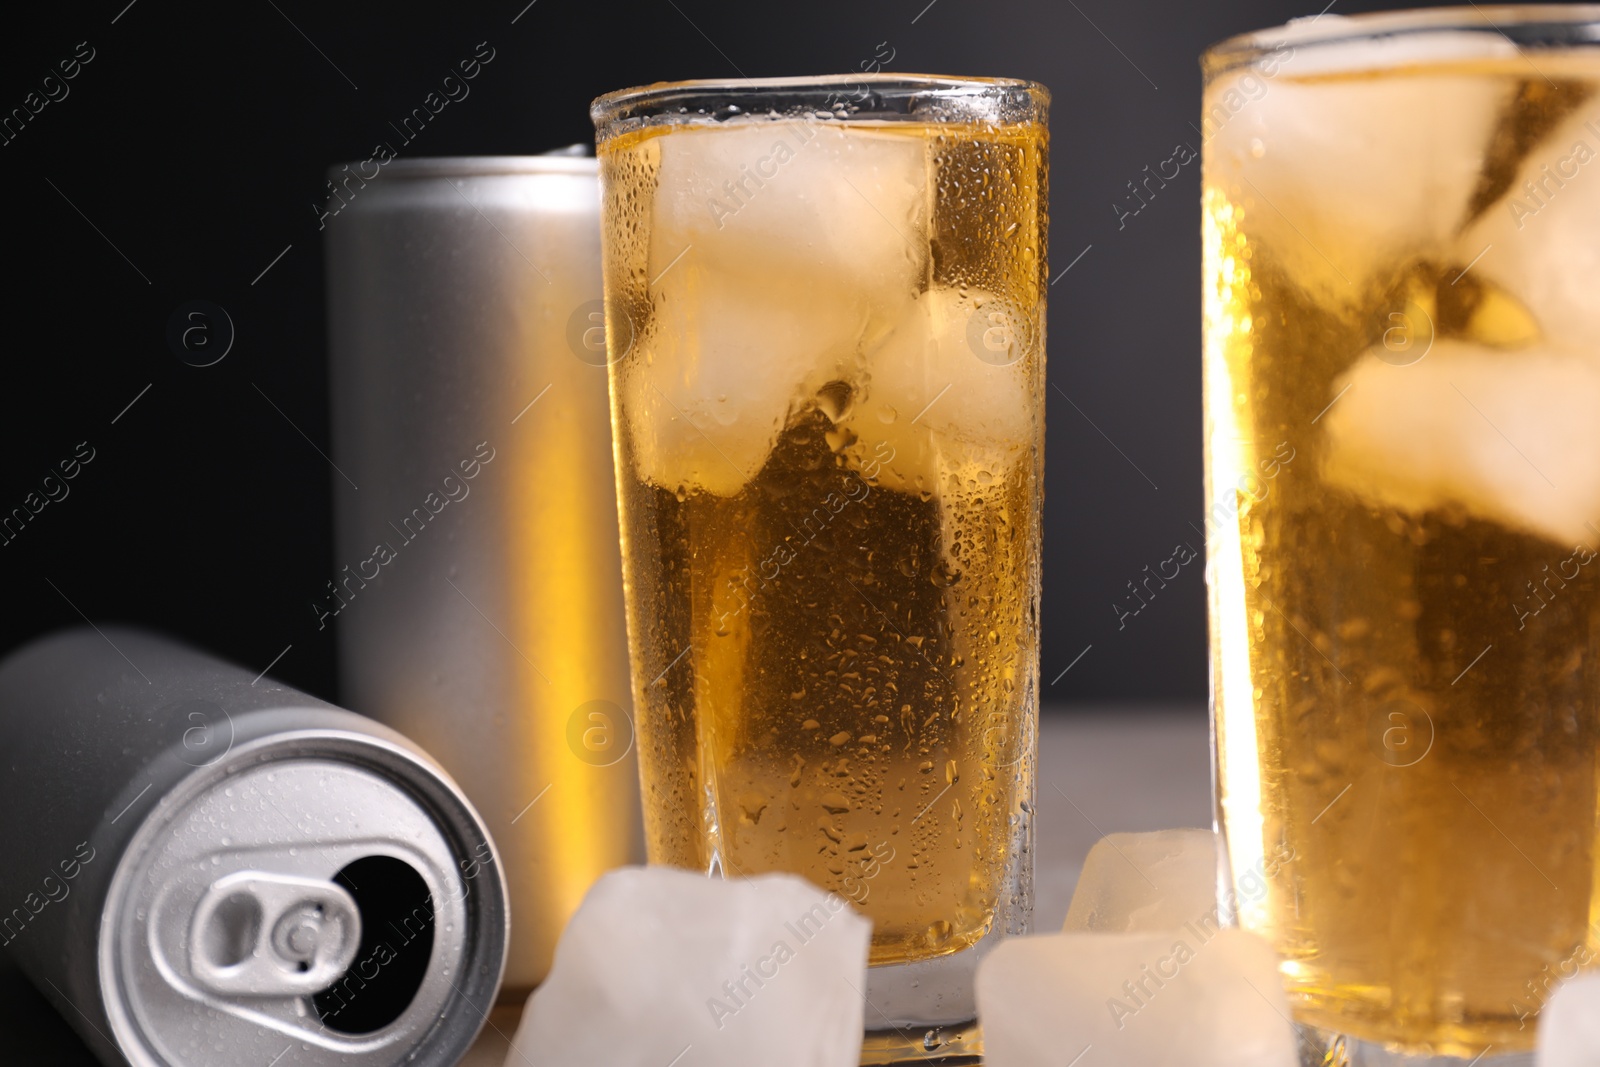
(835, 665)
(1439, 813)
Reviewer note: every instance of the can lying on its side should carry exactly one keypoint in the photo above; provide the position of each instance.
(478, 584)
(201, 868)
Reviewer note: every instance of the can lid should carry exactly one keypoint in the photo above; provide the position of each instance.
(320, 895)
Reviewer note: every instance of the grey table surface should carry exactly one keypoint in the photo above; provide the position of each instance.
(1101, 770)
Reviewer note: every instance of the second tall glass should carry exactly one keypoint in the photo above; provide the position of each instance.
(825, 312)
(1402, 378)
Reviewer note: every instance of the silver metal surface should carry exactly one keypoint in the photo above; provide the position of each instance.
(270, 934)
(477, 587)
(207, 913)
(283, 807)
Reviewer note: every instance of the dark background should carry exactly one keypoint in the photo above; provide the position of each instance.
(190, 152)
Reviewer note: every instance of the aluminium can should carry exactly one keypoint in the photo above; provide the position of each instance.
(477, 589)
(206, 868)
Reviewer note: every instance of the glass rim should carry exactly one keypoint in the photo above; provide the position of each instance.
(1529, 26)
(834, 97)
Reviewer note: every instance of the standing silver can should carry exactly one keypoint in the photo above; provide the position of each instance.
(202, 867)
(478, 589)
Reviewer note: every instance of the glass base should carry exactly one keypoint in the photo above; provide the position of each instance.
(926, 1012)
(1324, 1048)
(956, 1045)
(926, 993)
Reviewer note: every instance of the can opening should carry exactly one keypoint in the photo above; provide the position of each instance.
(397, 922)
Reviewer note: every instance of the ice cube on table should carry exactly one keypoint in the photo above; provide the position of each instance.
(949, 388)
(1137, 883)
(1508, 436)
(1344, 177)
(1541, 240)
(1135, 1000)
(779, 252)
(1569, 1025)
(661, 964)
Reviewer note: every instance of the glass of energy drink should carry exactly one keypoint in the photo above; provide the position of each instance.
(1402, 380)
(825, 316)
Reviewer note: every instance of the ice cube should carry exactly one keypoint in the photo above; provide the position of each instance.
(658, 962)
(1539, 240)
(1137, 883)
(711, 383)
(779, 251)
(1207, 999)
(807, 208)
(949, 388)
(1507, 436)
(1344, 176)
(1569, 1025)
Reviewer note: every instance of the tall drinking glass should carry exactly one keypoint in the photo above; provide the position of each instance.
(1402, 396)
(825, 313)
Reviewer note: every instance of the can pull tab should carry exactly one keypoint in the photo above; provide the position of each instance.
(272, 935)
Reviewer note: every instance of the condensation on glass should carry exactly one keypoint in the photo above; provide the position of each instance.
(825, 304)
(1402, 369)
